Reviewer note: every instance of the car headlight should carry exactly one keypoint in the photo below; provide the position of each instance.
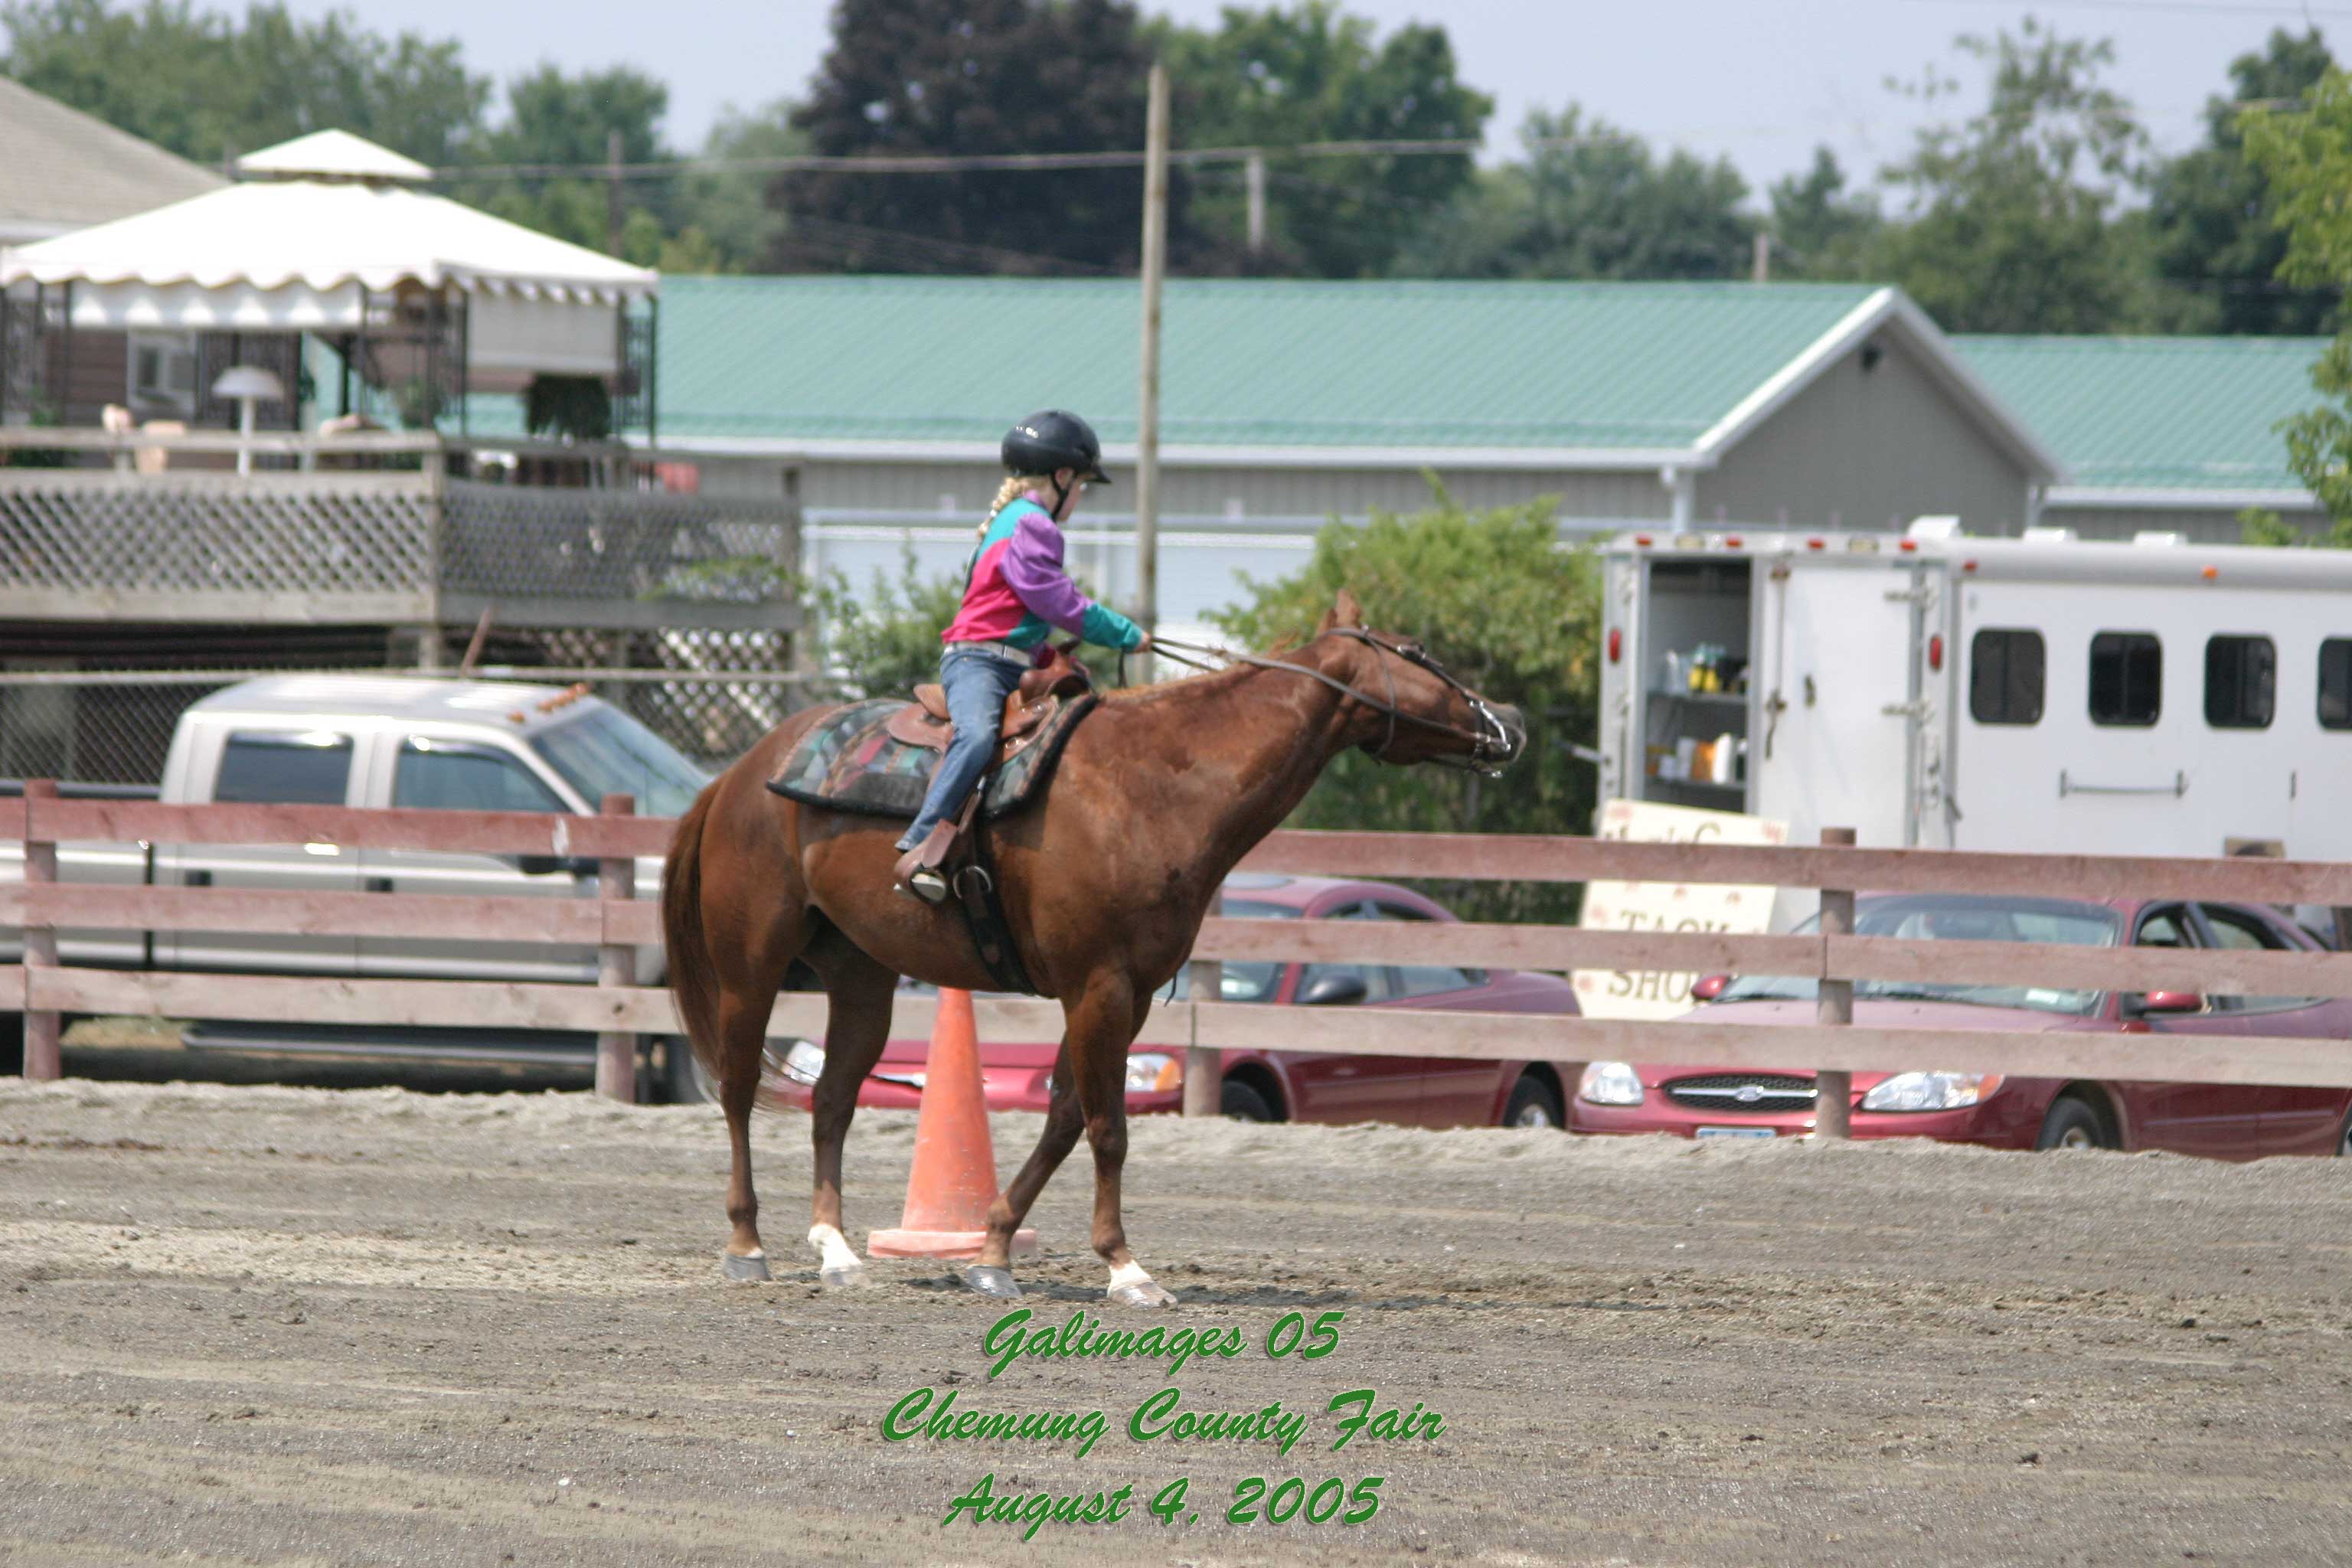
(1931, 1090)
(1610, 1083)
(1153, 1071)
(805, 1063)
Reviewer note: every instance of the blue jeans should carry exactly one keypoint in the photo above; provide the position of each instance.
(978, 684)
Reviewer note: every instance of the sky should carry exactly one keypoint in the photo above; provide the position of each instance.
(1761, 82)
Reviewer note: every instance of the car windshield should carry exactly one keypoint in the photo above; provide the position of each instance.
(1244, 982)
(604, 751)
(1954, 917)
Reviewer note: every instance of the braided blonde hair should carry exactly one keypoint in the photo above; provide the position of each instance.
(1011, 489)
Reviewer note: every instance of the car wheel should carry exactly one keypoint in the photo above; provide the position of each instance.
(686, 1082)
(1242, 1103)
(2344, 1138)
(1532, 1104)
(2073, 1124)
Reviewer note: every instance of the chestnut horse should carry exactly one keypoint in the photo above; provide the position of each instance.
(1158, 795)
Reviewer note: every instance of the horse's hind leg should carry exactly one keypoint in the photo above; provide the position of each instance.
(857, 1026)
(742, 1034)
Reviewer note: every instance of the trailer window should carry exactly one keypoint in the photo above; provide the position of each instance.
(2005, 677)
(2336, 684)
(2240, 682)
(2126, 677)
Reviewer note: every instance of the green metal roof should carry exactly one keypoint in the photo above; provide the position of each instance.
(1612, 368)
(2156, 413)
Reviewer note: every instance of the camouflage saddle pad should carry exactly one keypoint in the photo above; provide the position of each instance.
(849, 762)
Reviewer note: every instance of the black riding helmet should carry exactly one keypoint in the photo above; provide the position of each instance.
(1052, 439)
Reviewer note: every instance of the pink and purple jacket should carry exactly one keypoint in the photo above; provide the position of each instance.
(1015, 590)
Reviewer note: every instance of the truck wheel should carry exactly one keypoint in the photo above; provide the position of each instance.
(683, 1081)
(1533, 1104)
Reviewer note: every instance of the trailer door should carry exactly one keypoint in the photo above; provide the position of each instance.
(1837, 709)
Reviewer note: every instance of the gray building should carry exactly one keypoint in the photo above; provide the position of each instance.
(1286, 402)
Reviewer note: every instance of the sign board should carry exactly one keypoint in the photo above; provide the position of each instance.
(1667, 906)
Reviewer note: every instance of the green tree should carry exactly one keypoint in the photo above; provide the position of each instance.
(2306, 155)
(964, 76)
(1496, 600)
(1818, 229)
(884, 641)
(1281, 78)
(2209, 210)
(2009, 226)
(566, 120)
(1590, 201)
(207, 85)
(731, 206)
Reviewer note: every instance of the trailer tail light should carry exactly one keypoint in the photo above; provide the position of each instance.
(2212, 573)
(1817, 544)
(1732, 542)
(1936, 653)
(1643, 541)
(1616, 643)
(1968, 565)
(1909, 547)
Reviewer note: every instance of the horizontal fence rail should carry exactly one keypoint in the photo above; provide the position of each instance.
(603, 914)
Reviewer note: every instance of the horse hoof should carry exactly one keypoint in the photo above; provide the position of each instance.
(1142, 1293)
(742, 1270)
(841, 1278)
(996, 1282)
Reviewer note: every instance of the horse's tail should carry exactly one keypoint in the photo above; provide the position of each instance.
(693, 980)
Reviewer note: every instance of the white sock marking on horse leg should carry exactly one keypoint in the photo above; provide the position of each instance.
(834, 1249)
(1129, 1273)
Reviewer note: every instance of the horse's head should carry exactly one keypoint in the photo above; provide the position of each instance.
(1419, 713)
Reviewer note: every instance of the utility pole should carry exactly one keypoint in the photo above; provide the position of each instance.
(1254, 175)
(1763, 264)
(1147, 424)
(612, 192)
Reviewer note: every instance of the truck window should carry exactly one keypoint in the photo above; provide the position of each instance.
(284, 768)
(2240, 682)
(449, 776)
(2005, 677)
(2336, 684)
(2126, 677)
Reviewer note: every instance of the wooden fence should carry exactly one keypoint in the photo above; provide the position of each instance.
(620, 925)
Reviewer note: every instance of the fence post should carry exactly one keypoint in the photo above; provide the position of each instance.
(1204, 1089)
(1833, 1090)
(616, 964)
(41, 1054)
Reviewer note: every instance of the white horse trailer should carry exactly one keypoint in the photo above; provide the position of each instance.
(2154, 698)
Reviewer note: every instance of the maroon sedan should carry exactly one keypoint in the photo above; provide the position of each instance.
(1287, 1086)
(2235, 1121)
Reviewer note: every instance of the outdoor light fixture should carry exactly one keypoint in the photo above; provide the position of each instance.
(248, 384)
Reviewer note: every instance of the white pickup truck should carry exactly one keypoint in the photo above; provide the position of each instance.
(363, 740)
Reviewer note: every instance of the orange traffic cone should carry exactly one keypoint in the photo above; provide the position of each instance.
(954, 1179)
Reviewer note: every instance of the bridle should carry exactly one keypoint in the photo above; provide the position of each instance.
(1490, 743)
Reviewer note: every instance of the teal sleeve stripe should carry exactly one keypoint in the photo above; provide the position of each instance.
(1108, 629)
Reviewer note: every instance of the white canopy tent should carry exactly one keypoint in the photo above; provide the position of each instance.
(331, 238)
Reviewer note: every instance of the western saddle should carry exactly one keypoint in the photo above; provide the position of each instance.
(924, 723)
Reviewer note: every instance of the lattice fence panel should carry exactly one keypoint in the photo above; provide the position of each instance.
(516, 541)
(717, 708)
(158, 535)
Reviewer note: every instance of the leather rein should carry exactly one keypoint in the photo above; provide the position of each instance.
(1490, 743)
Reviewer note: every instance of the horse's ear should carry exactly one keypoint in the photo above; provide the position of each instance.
(1346, 613)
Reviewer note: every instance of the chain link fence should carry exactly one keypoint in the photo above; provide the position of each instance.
(710, 694)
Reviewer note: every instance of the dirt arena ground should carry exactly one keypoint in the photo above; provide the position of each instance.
(247, 1324)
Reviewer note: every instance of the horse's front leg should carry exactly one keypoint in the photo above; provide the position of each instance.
(991, 1273)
